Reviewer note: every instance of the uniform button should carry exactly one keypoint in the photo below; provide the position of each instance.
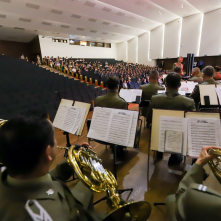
(31, 203)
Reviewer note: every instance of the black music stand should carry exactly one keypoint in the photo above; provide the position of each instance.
(68, 144)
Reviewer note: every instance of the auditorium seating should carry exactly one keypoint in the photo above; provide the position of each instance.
(25, 86)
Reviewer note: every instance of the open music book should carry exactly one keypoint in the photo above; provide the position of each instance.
(71, 118)
(114, 126)
(129, 95)
(184, 133)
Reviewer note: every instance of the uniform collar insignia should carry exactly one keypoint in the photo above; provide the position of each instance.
(50, 192)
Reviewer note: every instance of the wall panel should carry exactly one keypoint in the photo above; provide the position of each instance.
(122, 51)
(156, 42)
(191, 34)
(211, 34)
(172, 39)
(133, 50)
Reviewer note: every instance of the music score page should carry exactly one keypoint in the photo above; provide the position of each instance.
(113, 126)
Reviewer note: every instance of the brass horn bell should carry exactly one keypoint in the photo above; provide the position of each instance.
(89, 169)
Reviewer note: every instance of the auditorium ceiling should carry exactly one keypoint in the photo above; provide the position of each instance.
(92, 20)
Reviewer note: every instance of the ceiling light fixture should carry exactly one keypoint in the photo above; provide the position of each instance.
(160, 13)
(181, 5)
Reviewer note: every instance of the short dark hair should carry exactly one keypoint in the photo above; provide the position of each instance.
(154, 75)
(112, 83)
(173, 80)
(177, 69)
(23, 139)
(208, 71)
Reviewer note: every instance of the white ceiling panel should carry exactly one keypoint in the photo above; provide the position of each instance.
(112, 20)
(181, 8)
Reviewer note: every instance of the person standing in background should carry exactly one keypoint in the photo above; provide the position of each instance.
(179, 64)
(201, 63)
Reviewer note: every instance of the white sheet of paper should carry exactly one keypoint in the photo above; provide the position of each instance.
(208, 90)
(100, 124)
(80, 117)
(70, 120)
(133, 129)
(120, 125)
(163, 92)
(218, 92)
(202, 132)
(188, 86)
(174, 124)
(60, 116)
(126, 95)
(135, 93)
(173, 141)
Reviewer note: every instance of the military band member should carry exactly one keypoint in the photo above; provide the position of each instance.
(28, 191)
(194, 201)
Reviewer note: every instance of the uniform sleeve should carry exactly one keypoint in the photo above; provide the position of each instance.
(192, 107)
(195, 201)
(62, 171)
(150, 112)
(196, 94)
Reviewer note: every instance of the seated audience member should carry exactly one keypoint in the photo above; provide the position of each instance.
(171, 100)
(193, 201)
(129, 84)
(144, 81)
(111, 99)
(27, 189)
(148, 90)
(208, 73)
(125, 86)
(178, 70)
(195, 76)
(217, 75)
(22, 56)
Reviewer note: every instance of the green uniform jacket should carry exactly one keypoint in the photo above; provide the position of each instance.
(171, 100)
(148, 90)
(195, 201)
(61, 204)
(111, 100)
(196, 92)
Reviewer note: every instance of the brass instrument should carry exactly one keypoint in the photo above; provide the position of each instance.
(215, 163)
(90, 171)
(2, 122)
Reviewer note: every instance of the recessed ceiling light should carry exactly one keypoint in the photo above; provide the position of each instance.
(142, 20)
(160, 13)
(181, 5)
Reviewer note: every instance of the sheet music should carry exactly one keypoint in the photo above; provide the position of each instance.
(81, 115)
(208, 90)
(218, 92)
(125, 94)
(100, 124)
(129, 95)
(60, 116)
(179, 92)
(120, 124)
(133, 129)
(70, 120)
(114, 126)
(173, 141)
(202, 132)
(135, 93)
(188, 86)
(174, 124)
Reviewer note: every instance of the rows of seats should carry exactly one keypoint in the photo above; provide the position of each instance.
(25, 86)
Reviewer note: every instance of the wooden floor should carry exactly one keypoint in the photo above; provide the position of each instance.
(132, 173)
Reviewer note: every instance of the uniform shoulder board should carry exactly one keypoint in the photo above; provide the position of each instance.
(122, 99)
(42, 216)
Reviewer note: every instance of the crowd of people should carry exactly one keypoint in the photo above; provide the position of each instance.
(28, 148)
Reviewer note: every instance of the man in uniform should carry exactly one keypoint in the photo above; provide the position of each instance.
(171, 100)
(27, 190)
(195, 76)
(208, 73)
(148, 90)
(111, 99)
(193, 201)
